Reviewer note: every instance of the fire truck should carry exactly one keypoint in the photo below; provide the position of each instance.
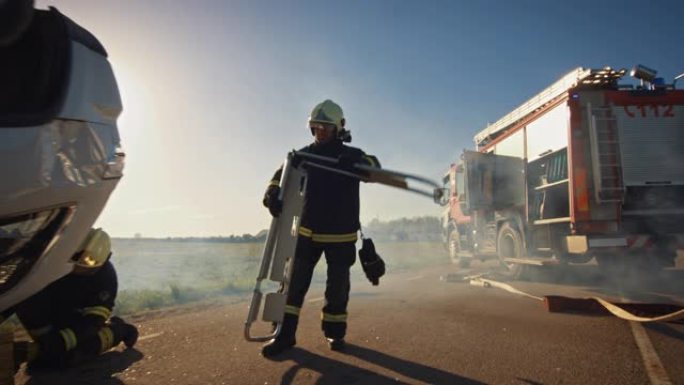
(587, 169)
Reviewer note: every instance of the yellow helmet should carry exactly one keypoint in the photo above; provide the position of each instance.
(94, 252)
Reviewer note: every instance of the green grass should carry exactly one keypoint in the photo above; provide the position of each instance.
(132, 301)
(231, 269)
(182, 273)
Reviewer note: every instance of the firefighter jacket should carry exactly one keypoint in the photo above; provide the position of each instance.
(331, 202)
(72, 305)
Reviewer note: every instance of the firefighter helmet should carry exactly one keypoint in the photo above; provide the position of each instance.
(329, 112)
(94, 252)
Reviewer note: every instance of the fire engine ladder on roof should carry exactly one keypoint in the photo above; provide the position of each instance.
(578, 76)
(605, 154)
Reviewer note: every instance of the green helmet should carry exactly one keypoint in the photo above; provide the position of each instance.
(331, 113)
(327, 112)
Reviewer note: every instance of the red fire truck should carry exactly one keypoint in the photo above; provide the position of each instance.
(588, 168)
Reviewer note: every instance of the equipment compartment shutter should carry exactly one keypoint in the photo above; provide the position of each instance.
(651, 145)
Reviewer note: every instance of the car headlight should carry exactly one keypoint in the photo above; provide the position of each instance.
(24, 238)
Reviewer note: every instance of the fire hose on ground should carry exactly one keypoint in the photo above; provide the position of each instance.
(637, 312)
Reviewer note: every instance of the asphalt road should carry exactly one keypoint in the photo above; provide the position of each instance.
(421, 327)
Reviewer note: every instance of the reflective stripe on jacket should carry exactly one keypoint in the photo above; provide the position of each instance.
(331, 203)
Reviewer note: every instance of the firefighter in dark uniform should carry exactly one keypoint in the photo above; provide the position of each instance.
(329, 224)
(70, 319)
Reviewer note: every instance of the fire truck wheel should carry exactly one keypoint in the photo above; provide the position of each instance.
(509, 244)
(455, 248)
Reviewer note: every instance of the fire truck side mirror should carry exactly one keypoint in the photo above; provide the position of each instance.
(464, 207)
(441, 196)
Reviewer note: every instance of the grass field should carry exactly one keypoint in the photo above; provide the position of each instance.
(159, 273)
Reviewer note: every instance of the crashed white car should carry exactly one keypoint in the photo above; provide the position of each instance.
(60, 154)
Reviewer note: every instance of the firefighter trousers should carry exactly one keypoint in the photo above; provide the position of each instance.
(339, 258)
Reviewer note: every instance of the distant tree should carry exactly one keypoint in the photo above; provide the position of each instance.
(261, 235)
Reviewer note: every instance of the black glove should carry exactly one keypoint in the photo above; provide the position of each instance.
(373, 265)
(295, 160)
(271, 200)
(347, 160)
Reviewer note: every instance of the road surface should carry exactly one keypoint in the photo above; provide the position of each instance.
(419, 327)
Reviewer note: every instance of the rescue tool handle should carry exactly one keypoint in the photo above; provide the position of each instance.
(249, 337)
(381, 175)
(267, 252)
(278, 254)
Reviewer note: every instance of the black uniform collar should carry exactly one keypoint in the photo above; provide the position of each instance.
(332, 146)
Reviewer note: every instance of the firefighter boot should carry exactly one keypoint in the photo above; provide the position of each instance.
(336, 344)
(130, 336)
(285, 340)
(126, 333)
(24, 351)
(7, 357)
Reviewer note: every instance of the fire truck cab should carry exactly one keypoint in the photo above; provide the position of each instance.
(588, 168)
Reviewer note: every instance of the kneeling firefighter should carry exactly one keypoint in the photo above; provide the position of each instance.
(71, 318)
(329, 224)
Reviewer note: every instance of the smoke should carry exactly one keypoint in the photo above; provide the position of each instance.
(626, 277)
(157, 273)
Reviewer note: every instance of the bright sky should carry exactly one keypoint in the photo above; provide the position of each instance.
(216, 93)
